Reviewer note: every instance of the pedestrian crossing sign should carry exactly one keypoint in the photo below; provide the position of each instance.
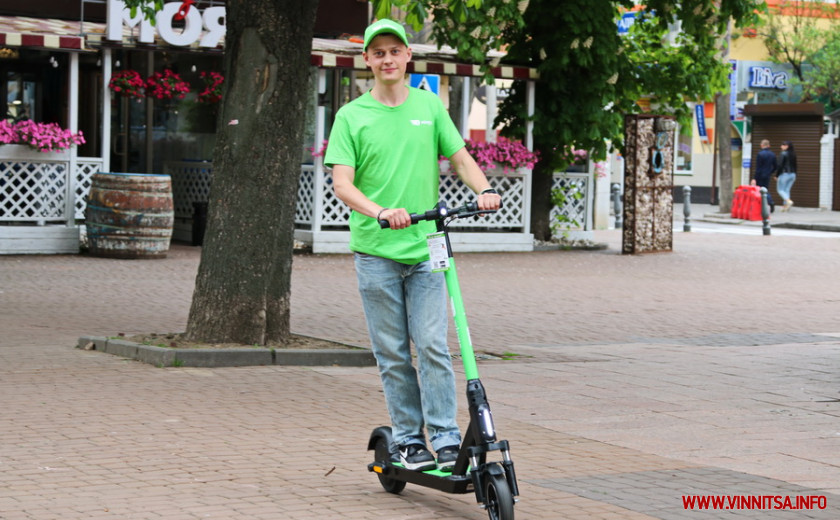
(430, 82)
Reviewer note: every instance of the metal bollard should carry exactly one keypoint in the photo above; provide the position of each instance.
(687, 208)
(765, 212)
(616, 197)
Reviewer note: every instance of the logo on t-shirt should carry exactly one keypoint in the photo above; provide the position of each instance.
(417, 122)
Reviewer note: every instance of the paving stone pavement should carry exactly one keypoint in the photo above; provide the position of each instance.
(624, 384)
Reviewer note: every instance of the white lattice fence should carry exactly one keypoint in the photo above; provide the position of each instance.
(190, 183)
(86, 167)
(305, 195)
(512, 186)
(32, 191)
(576, 207)
(34, 185)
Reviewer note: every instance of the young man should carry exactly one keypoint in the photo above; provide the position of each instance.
(383, 150)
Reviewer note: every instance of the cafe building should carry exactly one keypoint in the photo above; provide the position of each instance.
(74, 67)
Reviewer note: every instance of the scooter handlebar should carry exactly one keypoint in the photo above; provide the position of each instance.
(441, 212)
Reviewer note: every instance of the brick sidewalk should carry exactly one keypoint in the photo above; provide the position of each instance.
(711, 370)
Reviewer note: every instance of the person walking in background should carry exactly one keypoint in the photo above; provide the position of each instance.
(765, 167)
(786, 174)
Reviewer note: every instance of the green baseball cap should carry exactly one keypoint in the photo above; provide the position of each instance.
(384, 26)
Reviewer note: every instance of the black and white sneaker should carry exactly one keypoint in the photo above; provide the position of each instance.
(416, 457)
(447, 457)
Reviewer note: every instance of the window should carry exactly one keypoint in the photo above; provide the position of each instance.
(20, 97)
(683, 150)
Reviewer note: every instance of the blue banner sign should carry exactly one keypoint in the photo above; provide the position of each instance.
(700, 114)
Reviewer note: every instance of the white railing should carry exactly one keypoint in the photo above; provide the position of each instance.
(319, 212)
(577, 207)
(336, 214)
(190, 184)
(38, 187)
(34, 187)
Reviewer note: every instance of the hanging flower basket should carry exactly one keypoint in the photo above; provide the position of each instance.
(128, 83)
(166, 85)
(45, 137)
(212, 92)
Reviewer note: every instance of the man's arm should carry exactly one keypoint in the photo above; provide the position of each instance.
(474, 178)
(345, 190)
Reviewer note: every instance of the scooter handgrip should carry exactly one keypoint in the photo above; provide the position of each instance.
(415, 218)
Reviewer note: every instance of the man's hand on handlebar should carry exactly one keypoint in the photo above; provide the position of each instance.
(489, 201)
(398, 218)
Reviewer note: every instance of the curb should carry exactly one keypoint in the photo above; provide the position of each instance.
(809, 227)
(228, 357)
(831, 228)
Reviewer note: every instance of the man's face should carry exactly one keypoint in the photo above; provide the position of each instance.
(387, 57)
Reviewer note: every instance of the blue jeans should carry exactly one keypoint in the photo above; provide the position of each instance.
(784, 183)
(404, 304)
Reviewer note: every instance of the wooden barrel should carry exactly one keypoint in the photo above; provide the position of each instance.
(129, 215)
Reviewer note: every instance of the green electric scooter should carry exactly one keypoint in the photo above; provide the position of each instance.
(493, 482)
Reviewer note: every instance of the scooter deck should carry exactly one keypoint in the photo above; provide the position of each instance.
(434, 478)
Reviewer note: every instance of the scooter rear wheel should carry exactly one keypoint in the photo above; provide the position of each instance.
(382, 452)
(499, 499)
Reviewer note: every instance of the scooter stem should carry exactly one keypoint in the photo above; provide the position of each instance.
(459, 316)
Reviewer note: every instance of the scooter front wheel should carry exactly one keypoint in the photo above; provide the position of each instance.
(498, 498)
(382, 452)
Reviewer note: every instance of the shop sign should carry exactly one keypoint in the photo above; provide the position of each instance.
(207, 27)
(764, 77)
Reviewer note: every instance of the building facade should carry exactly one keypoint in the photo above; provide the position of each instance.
(61, 69)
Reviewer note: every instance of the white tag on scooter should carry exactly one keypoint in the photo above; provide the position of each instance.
(437, 252)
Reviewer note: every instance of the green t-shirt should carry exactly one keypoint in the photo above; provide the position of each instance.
(395, 152)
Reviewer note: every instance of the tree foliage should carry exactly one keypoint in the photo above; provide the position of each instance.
(147, 7)
(472, 27)
(795, 31)
(590, 76)
(822, 82)
(804, 35)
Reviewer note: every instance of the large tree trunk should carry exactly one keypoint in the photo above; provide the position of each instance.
(723, 132)
(243, 282)
(541, 203)
(724, 151)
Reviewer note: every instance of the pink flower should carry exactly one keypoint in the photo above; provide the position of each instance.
(46, 137)
(321, 152)
(508, 154)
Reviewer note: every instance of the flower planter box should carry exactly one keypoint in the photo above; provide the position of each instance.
(25, 153)
(33, 190)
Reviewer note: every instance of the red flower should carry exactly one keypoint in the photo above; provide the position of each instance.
(212, 92)
(166, 85)
(127, 83)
